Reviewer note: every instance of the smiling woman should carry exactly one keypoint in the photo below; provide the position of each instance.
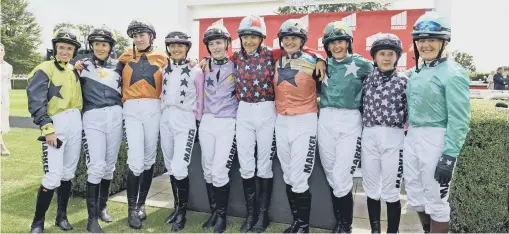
(55, 102)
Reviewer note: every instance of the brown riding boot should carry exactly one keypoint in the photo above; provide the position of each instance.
(439, 227)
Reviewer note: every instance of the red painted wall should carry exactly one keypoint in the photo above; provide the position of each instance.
(365, 26)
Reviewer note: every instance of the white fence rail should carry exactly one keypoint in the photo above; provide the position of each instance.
(19, 77)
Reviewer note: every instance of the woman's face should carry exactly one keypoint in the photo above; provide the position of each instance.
(142, 40)
(251, 43)
(338, 48)
(292, 44)
(385, 59)
(429, 48)
(217, 48)
(101, 49)
(177, 51)
(65, 51)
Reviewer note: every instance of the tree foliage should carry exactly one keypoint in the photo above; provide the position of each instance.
(340, 7)
(85, 30)
(465, 59)
(20, 36)
(122, 44)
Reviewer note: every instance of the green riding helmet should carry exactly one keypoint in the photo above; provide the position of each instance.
(432, 25)
(337, 30)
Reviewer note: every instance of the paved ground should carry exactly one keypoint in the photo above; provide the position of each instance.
(160, 195)
(21, 122)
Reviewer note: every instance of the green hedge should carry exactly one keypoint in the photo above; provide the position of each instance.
(476, 76)
(479, 193)
(119, 182)
(19, 84)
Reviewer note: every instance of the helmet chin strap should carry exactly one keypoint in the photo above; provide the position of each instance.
(148, 49)
(57, 63)
(439, 55)
(244, 52)
(416, 52)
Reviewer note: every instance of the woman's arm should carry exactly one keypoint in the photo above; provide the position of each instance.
(198, 82)
(37, 92)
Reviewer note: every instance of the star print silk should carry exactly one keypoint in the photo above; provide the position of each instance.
(219, 93)
(183, 88)
(343, 89)
(101, 85)
(254, 76)
(51, 91)
(142, 76)
(294, 84)
(384, 100)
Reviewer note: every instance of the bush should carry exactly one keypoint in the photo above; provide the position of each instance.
(119, 182)
(19, 84)
(479, 192)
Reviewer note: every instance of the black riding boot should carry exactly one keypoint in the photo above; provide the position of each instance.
(103, 198)
(393, 216)
(171, 217)
(133, 185)
(303, 202)
(145, 183)
(293, 207)
(264, 203)
(63, 194)
(374, 208)
(250, 197)
(335, 207)
(182, 198)
(93, 208)
(44, 197)
(344, 213)
(211, 193)
(223, 195)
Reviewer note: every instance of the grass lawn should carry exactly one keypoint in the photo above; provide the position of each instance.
(19, 103)
(21, 177)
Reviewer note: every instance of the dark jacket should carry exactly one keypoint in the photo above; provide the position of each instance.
(498, 80)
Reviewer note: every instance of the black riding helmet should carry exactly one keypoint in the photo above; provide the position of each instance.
(386, 42)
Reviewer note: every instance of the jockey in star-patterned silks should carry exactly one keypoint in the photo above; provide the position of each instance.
(55, 103)
(296, 107)
(102, 121)
(217, 127)
(340, 123)
(255, 65)
(256, 117)
(141, 70)
(182, 107)
(439, 116)
(383, 117)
